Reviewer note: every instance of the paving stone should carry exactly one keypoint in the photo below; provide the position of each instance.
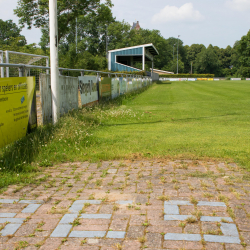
(7, 215)
(176, 202)
(74, 209)
(221, 239)
(82, 202)
(211, 204)
(8, 201)
(116, 234)
(87, 234)
(112, 171)
(171, 209)
(68, 218)
(124, 202)
(154, 240)
(31, 208)
(61, 231)
(9, 229)
(12, 220)
(177, 217)
(95, 216)
(187, 237)
(31, 201)
(134, 232)
(93, 241)
(217, 219)
(229, 229)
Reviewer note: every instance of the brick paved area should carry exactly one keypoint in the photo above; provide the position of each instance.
(130, 205)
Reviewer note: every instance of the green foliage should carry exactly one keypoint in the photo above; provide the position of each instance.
(10, 33)
(37, 13)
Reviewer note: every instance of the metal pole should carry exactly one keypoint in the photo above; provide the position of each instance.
(107, 41)
(47, 65)
(2, 68)
(177, 53)
(173, 52)
(191, 68)
(54, 60)
(7, 61)
(76, 34)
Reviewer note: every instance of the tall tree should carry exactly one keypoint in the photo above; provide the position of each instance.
(207, 61)
(10, 33)
(36, 12)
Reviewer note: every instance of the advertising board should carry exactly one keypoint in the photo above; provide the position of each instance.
(88, 89)
(105, 87)
(115, 88)
(16, 96)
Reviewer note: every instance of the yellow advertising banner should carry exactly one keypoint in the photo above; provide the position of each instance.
(16, 96)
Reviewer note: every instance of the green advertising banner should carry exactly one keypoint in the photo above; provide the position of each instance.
(16, 112)
(105, 87)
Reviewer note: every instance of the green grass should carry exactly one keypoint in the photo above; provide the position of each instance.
(194, 120)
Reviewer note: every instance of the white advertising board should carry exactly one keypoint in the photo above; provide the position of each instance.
(115, 88)
(123, 85)
(248, 79)
(235, 79)
(88, 89)
(191, 79)
(67, 97)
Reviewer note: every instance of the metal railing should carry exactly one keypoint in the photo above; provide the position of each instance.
(23, 72)
(7, 59)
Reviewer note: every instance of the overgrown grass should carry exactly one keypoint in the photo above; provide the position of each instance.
(195, 120)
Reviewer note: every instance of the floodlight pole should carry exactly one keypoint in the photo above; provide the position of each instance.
(177, 52)
(54, 72)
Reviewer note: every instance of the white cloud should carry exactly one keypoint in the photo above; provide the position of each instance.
(240, 5)
(174, 14)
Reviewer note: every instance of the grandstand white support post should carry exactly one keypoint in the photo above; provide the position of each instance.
(1, 60)
(143, 59)
(54, 72)
(7, 61)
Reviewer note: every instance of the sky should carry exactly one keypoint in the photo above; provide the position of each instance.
(216, 22)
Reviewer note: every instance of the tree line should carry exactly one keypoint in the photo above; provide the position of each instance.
(87, 28)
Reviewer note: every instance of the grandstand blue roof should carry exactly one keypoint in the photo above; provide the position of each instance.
(124, 59)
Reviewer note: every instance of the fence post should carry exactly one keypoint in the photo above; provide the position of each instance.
(47, 65)
(98, 87)
(7, 61)
(82, 73)
(1, 60)
(21, 71)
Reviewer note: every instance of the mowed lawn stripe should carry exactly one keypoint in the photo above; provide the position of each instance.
(201, 119)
